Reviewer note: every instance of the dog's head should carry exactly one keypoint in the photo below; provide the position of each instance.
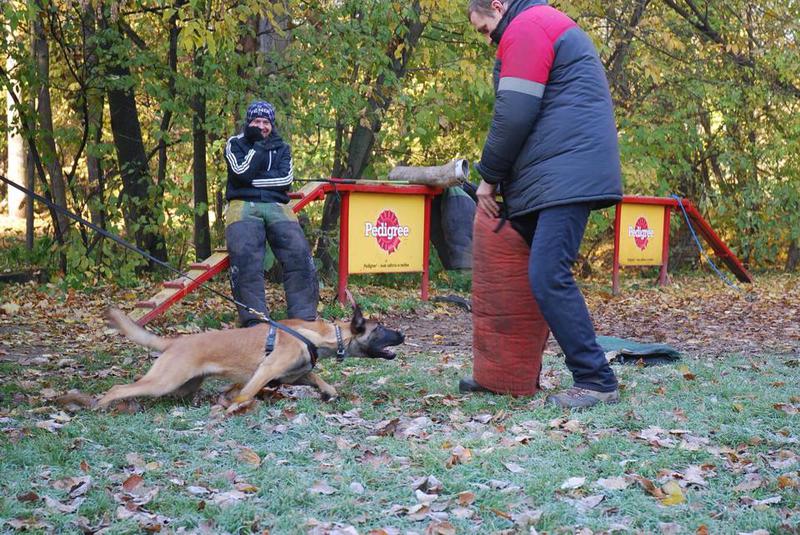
(370, 338)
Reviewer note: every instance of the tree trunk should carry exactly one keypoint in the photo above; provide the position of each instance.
(17, 169)
(30, 183)
(94, 110)
(166, 119)
(202, 233)
(50, 155)
(792, 257)
(142, 203)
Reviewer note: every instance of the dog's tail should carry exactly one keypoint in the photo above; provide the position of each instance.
(134, 332)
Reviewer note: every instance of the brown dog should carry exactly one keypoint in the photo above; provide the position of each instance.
(239, 355)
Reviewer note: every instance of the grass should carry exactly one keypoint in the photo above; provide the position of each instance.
(300, 442)
(395, 423)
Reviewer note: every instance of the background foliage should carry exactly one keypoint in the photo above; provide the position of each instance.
(706, 99)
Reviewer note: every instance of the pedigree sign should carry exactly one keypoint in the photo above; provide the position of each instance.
(641, 239)
(386, 232)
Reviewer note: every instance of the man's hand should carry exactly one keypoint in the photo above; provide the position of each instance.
(253, 134)
(486, 202)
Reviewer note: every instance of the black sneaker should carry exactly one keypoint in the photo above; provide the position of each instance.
(582, 398)
(468, 384)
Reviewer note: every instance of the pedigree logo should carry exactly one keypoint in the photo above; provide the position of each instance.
(640, 233)
(387, 231)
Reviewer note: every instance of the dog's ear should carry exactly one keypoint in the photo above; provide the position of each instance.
(358, 324)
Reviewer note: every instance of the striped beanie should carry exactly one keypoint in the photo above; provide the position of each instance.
(260, 108)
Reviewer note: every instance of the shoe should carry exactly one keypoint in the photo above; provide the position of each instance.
(582, 398)
(468, 384)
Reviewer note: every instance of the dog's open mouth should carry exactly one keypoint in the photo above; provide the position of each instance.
(384, 354)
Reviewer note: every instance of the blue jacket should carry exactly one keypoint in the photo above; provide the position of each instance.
(261, 171)
(553, 139)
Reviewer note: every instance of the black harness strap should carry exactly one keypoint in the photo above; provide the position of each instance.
(269, 347)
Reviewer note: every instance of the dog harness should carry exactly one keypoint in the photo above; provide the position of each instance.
(269, 346)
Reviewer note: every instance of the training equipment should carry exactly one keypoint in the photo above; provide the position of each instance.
(509, 333)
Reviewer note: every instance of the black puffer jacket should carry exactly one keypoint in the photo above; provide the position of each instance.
(260, 171)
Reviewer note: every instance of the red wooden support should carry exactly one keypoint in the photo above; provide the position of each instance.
(344, 247)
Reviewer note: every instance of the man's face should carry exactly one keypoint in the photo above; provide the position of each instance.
(263, 124)
(485, 23)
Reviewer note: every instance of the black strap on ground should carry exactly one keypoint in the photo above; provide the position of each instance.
(309, 344)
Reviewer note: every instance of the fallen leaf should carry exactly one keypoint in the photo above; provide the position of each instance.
(247, 488)
(613, 483)
(502, 514)
(440, 528)
(590, 502)
(573, 483)
(10, 309)
(466, 498)
(514, 468)
(131, 484)
(424, 498)
(386, 428)
(674, 493)
(418, 512)
(29, 496)
(249, 456)
(751, 482)
(320, 487)
(459, 455)
(225, 499)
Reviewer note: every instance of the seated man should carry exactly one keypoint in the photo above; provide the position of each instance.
(259, 177)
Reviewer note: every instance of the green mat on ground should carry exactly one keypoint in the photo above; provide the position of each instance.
(622, 351)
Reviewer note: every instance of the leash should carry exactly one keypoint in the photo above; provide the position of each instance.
(721, 275)
(312, 349)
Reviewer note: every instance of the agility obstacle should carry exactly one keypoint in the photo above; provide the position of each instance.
(375, 218)
(641, 236)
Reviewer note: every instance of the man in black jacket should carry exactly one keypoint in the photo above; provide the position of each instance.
(260, 174)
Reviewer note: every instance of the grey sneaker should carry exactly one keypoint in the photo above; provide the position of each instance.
(581, 398)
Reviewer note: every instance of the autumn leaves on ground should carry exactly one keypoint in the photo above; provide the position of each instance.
(707, 445)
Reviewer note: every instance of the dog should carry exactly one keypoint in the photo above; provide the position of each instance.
(240, 356)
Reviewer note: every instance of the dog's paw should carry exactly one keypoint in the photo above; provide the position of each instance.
(237, 408)
(329, 396)
(119, 406)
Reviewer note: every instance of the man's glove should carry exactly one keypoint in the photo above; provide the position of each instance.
(253, 134)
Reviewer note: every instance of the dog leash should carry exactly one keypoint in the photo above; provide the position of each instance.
(312, 349)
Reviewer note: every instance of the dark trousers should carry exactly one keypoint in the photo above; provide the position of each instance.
(555, 236)
(250, 226)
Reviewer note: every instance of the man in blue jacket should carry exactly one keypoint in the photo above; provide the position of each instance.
(260, 174)
(552, 154)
